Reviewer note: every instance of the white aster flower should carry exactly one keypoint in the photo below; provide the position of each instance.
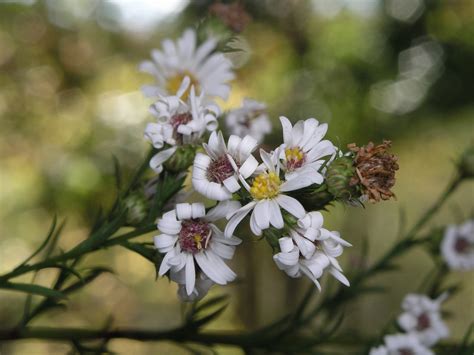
(215, 174)
(401, 344)
(249, 119)
(179, 123)
(457, 247)
(422, 318)
(303, 152)
(188, 238)
(268, 196)
(209, 72)
(310, 250)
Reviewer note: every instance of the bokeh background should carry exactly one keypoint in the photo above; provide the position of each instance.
(70, 100)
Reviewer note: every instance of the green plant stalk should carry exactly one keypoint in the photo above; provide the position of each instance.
(343, 295)
(186, 334)
(78, 251)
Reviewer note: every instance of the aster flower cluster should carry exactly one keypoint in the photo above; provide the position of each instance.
(423, 326)
(241, 178)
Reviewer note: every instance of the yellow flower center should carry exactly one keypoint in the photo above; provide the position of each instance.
(265, 186)
(295, 158)
(174, 82)
(198, 240)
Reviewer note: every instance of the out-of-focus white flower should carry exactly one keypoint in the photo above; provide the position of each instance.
(457, 247)
(249, 119)
(268, 194)
(188, 238)
(215, 173)
(303, 152)
(422, 318)
(208, 71)
(400, 344)
(177, 123)
(310, 250)
(201, 288)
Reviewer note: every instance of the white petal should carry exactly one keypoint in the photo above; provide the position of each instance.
(287, 127)
(234, 222)
(233, 145)
(286, 244)
(183, 211)
(165, 266)
(248, 167)
(297, 183)
(223, 250)
(168, 224)
(156, 163)
(267, 160)
(246, 147)
(262, 214)
(222, 209)
(276, 219)
(190, 274)
(231, 184)
(164, 241)
(253, 224)
(339, 276)
(291, 205)
(184, 86)
(209, 268)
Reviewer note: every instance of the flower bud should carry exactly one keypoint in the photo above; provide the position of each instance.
(137, 208)
(466, 163)
(339, 177)
(181, 159)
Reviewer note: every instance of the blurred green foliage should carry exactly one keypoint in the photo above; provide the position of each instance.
(70, 100)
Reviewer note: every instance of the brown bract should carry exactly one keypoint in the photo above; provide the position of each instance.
(375, 170)
(232, 15)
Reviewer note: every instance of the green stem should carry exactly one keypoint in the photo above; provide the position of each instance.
(346, 294)
(76, 252)
(184, 334)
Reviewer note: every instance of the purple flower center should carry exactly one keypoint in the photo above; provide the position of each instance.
(220, 169)
(295, 158)
(423, 322)
(462, 245)
(405, 351)
(194, 236)
(178, 120)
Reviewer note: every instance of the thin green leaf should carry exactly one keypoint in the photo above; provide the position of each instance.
(117, 173)
(206, 319)
(90, 276)
(33, 289)
(45, 241)
(465, 347)
(202, 306)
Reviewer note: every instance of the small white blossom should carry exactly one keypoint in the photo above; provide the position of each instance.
(401, 344)
(457, 247)
(207, 70)
(268, 196)
(215, 173)
(249, 119)
(177, 123)
(303, 153)
(311, 250)
(191, 243)
(422, 318)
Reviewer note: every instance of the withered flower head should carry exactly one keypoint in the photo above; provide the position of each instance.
(375, 170)
(232, 15)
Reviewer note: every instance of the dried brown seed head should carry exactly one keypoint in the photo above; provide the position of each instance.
(375, 170)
